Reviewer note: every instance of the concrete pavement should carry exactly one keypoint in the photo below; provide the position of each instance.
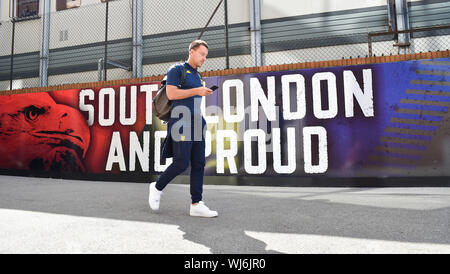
(68, 216)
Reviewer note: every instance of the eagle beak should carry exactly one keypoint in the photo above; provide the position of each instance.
(68, 127)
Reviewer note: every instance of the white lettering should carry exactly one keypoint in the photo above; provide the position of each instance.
(110, 93)
(332, 95)
(159, 135)
(352, 89)
(148, 89)
(267, 103)
(141, 152)
(239, 87)
(262, 163)
(222, 153)
(123, 99)
(115, 154)
(290, 150)
(89, 108)
(323, 149)
(208, 139)
(299, 81)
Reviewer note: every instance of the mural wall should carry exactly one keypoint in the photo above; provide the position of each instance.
(376, 120)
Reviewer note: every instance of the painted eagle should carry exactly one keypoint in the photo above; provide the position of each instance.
(36, 133)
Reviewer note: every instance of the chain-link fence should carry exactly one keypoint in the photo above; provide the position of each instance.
(19, 52)
(166, 39)
(317, 48)
(417, 40)
(93, 40)
(77, 43)
(5, 54)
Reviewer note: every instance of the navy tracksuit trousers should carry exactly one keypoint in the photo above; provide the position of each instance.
(185, 152)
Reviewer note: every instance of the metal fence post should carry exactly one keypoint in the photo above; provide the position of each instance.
(137, 12)
(11, 69)
(100, 65)
(106, 42)
(401, 10)
(43, 63)
(255, 28)
(227, 55)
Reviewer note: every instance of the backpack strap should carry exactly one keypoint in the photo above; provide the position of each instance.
(200, 76)
(183, 76)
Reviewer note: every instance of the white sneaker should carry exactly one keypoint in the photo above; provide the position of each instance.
(154, 196)
(201, 210)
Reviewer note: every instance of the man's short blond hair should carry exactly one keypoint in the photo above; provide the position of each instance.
(197, 43)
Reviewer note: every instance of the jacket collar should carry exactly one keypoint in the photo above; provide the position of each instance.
(189, 66)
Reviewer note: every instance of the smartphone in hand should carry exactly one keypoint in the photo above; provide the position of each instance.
(213, 88)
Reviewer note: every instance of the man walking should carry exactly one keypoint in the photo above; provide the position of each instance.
(188, 146)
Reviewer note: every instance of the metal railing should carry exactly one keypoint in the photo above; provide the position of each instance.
(436, 38)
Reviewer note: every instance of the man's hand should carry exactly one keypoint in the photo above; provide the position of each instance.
(203, 91)
(174, 93)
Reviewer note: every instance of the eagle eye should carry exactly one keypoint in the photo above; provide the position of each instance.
(32, 112)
